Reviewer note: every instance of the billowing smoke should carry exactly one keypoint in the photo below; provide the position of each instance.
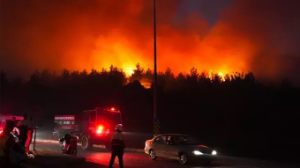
(249, 35)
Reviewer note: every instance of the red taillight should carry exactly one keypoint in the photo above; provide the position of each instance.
(112, 109)
(1, 131)
(100, 129)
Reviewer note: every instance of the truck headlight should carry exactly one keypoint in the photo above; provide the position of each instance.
(214, 152)
(197, 152)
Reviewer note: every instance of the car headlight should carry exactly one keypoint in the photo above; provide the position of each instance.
(214, 152)
(198, 153)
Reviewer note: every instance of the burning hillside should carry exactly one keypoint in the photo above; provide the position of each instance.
(248, 35)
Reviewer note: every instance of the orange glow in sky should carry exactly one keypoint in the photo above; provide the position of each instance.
(82, 34)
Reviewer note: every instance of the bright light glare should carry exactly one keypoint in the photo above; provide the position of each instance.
(214, 152)
(112, 109)
(131, 72)
(100, 129)
(198, 153)
(1, 132)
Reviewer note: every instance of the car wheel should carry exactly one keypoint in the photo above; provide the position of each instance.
(183, 159)
(86, 144)
(152, 154)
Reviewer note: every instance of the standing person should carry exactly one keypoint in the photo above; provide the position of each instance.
(15, 130)
(117, 146)
(29, 136)
(23, 127)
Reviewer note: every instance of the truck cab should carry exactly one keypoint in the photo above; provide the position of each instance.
(97, 126)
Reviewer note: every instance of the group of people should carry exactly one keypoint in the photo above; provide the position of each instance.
(23, 132)
(117, 145)
(15, 141)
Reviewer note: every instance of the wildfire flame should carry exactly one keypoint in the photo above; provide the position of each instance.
(83, 34)
(221, 75)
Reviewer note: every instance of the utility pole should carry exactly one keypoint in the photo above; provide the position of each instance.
(155, 120)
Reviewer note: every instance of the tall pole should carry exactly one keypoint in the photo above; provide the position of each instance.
(155, 68)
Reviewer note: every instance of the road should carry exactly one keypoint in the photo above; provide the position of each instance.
(100, 157)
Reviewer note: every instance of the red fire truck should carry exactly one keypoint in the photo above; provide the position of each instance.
(92, 127)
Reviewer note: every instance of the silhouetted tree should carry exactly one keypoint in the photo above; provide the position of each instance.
(3, 79)
(192, 78)
(249, 78)
(138, 73)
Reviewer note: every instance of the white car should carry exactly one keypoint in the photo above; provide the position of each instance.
(178, 146)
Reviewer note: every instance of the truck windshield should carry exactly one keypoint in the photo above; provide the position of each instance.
(112, 118)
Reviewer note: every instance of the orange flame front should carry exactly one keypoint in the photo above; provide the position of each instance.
(96, 34)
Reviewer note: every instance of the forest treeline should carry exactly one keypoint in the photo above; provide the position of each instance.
(230, 112)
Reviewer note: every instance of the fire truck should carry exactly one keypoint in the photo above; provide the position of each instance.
(92, 126)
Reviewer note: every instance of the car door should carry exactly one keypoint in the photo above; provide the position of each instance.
(159, 145)
(171, 150)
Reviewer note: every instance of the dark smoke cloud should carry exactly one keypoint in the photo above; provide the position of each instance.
(273, 27)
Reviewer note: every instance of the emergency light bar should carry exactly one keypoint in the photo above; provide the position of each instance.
(112, 109)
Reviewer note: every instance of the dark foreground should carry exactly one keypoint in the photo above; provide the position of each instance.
(100, 157)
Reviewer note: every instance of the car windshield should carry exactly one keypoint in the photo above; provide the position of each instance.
(187, 140)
